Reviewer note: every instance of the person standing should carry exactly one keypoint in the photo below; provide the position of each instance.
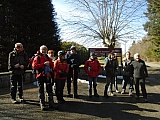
(74, 62)
(140, 74)
(17, 63)
(60, 75)
(128, 74)
(110, 74)
(115, 66)
(92, 67)
(43, 64)
(51, 55)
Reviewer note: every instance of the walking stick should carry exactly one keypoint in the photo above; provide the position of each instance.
(22, 90)
(73, 82)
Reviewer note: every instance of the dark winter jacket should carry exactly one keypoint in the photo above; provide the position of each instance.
(139, 69)
(109, 67)
(15, 58)
(74, 59)
(127, 67)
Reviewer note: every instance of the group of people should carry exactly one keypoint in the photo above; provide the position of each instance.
(48, 69)
(134, 72)
(55, 71)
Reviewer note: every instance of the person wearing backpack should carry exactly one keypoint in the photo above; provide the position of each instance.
(110, 74)
(60, 75)
(92, 67)
(17, 64)
(43, 64)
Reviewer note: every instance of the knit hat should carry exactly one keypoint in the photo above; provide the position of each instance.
(92, 54)
(73, 48)
(61, 53)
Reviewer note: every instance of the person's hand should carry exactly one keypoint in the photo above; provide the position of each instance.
(16, 65)
(46, 63)
(73, 65)
(21, 66)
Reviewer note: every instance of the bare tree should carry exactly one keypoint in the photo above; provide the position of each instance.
(107, 21)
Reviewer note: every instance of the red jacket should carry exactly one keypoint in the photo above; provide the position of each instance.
(38, 64)
(60, 66)
(92, 68)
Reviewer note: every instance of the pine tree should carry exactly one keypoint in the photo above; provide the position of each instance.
(31, 22)
(153, 25)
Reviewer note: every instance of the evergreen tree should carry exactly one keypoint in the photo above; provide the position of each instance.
(31, 22)
(153, 25)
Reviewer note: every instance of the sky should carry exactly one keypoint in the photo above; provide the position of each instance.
(62, 10)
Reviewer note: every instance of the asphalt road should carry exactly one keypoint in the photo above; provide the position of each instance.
(119, 107)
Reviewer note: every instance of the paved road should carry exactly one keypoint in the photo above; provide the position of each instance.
(119, 107)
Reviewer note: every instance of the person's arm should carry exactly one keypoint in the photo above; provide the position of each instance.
(145, 70)
(99, 67)
(86, 67)
(37, 64)
(10, 62)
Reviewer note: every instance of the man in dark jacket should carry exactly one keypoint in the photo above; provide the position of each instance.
(140, 74)
(127, 74)
(17, 63)
(74, 62)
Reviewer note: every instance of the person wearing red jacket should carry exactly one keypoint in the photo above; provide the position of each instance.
(60, 74)
(92, 67)
(43, 65)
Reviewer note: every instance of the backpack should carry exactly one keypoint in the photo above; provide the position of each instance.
(31, 61)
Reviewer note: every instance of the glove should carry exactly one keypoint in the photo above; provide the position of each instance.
(73, 65)
(63, 74)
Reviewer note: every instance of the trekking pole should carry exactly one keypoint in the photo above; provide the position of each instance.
(22, 90)
(73, 82)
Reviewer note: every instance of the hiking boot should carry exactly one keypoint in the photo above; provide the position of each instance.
(96, 95)
(117, 91)
(145, 100)
(136, 96)
(53, 106)
(111, 94)
(130, 94)
(69, 95)
(75, 96)
(13, 101)
(42, 106)
(123, 92)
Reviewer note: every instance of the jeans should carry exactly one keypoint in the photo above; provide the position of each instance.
(94, 80)
(126, 80)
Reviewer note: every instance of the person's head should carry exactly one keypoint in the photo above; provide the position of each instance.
(51, 53)
(137, 56)
(128, 54)
(43, 49)
(92, 56)
(73, 49)
(111, 55)
(19, 47)
(61, 55)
